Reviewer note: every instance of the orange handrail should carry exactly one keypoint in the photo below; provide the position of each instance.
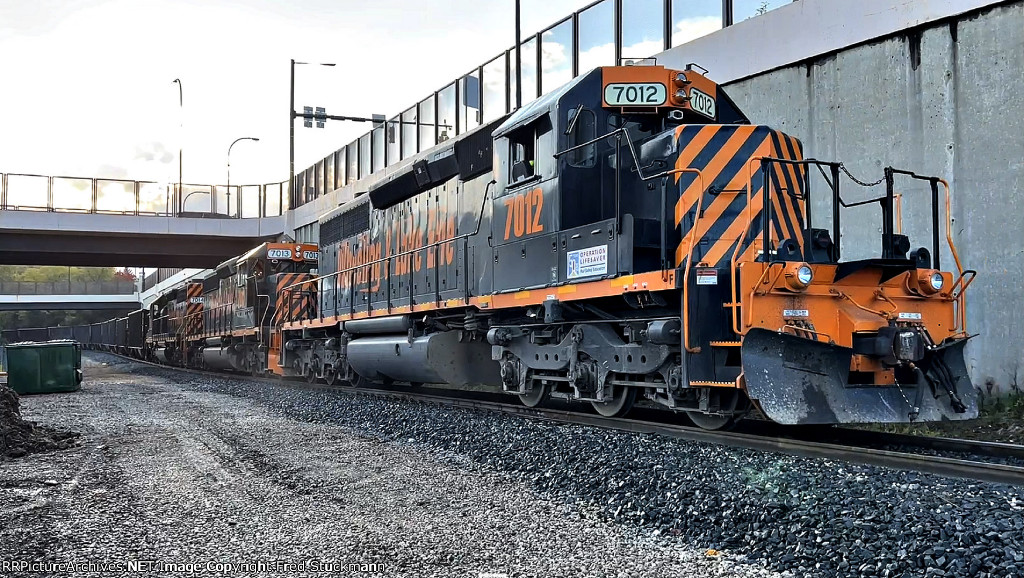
(689, 258)
(959, 325)
(899, 213)
(735, 314)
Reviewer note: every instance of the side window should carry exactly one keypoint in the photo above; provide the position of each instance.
(582, 128)
(522, 155)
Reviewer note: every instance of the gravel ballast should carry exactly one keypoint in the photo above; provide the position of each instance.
(172, 471)
(804, 516)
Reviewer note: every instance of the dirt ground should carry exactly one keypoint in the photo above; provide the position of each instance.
(20, 437)
(168, 478)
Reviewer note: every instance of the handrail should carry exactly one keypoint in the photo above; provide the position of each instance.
(898, 197)
(960, 285)
(882, 314)
(959, 325)
(753, 290)
(387, 260)
(735, 313)
(689, 259)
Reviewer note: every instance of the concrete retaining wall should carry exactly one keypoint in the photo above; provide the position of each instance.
(944, 100)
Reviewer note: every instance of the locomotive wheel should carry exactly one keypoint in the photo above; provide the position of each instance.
(330, 376)
(621, 402)
(536, 396)
(711, 422)
(358, 380)
(314, 368)
(719, 422)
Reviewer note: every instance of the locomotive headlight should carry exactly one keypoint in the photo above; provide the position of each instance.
(798, 276)
(804, 275)
(925, 282)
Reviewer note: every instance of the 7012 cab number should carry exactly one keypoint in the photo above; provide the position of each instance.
(635, 94)
(702, 103)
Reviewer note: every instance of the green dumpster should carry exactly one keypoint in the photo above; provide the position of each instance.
(44, 367)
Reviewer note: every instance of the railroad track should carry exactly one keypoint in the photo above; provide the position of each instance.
(865, 448)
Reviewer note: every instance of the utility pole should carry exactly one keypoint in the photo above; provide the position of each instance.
(291, 125)
(181, 136)
(519, 62)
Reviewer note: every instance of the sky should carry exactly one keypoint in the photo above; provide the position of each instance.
(87, 85)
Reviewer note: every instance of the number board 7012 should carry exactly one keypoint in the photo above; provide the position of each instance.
(635, 94)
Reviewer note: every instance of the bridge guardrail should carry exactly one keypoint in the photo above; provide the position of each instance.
(161, 274)
(67, 288)
(31, 192)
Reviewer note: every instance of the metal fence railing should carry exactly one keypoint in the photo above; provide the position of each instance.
(159, 276)
(28, 192)
(67, 288)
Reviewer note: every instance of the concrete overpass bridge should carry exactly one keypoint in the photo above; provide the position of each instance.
(52, 220)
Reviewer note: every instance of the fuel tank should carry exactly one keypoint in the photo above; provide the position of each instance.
(397, 324)
(221, 358)
(435, 358)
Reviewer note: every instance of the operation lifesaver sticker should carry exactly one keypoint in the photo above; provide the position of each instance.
(586, 262)
(795, 313)
(707, 276)
(911, 316)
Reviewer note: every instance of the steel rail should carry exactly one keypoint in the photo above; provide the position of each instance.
(937, 443)
(937, 465)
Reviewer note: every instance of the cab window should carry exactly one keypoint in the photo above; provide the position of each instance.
(522, 154)
(530, 151)
(582, 128)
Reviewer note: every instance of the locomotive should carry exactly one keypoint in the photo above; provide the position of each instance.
(631, 235)
(628, 236)
(225, 321)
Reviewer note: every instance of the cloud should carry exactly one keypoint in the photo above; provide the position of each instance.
(154, 151)
(598, 55)
(108, 171)
(689, 28)
(556, 62)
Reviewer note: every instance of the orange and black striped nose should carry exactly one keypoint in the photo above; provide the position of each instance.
(194, 308)
(295, 299)
(722, 207)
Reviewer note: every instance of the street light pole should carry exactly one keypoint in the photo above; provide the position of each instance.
(231, 146)
(291, 135)
(185, 200)
(291, 125)
(181, 130)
